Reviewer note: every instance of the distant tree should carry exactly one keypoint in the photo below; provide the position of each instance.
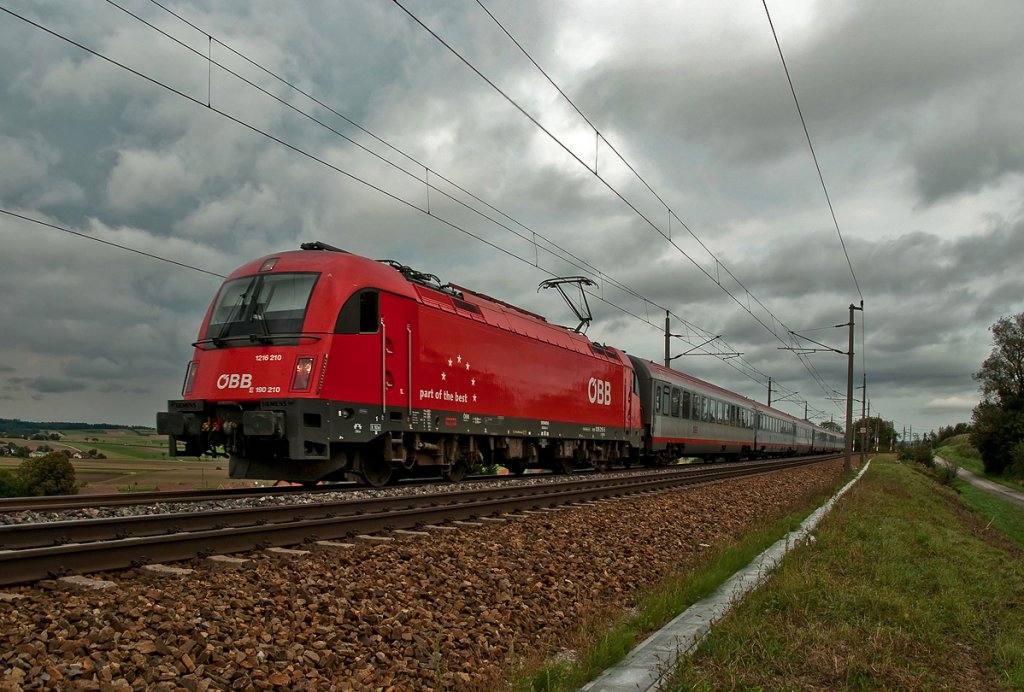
(831, 425)
(880, 434)
(952, 431)
(52, 474)
(999, 418)
(1002, 374)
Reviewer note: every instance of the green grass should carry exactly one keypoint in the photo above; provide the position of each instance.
(996, 513)
(610, 644)
(960, 451)
(904, 588)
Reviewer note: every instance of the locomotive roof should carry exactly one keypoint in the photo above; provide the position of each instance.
(353, 272)
(344, 267)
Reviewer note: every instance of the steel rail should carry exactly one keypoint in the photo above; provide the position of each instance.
(51, 503)
(96, 548)
(41, 534)
(58, 502)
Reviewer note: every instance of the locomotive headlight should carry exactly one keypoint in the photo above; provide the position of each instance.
(303, 370)
(190, 377)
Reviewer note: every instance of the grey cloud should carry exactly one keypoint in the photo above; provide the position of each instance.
(906, 117)
(54, 385)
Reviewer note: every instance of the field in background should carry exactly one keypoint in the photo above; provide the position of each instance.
(136, 460)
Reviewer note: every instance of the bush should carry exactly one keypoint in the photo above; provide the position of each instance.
(947, 472)
(923, 455)
(998, 431)
(9, 484)
(52, 474)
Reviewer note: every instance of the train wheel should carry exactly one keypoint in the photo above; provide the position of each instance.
(376, 472)
(456, 472)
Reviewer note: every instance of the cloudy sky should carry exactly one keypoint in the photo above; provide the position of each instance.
(914, 108)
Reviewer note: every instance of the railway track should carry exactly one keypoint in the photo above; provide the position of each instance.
(30, 552)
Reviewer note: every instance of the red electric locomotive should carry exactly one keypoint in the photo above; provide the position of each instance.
(315, 364)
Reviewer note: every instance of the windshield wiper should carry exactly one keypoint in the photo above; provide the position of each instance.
(268, 339)
(258, 315)
(219, 340)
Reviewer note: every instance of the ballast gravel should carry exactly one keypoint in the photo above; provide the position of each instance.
(254, 501)
(455, 610)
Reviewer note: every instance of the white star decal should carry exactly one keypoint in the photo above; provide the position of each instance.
(460, 358)
(444, 376)
(473, 381)
(449, 362)
(467, 365)
(474, 397)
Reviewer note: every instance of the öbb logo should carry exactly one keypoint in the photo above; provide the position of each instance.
(234, 381)
(599, 391)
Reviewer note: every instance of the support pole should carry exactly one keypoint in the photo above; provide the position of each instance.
(847, 457)
(864, 420)
(668, 334)
(769, 391)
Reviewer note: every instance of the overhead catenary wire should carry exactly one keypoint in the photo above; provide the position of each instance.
(810, 145)
(119, 246)
(272, 137)
(428, 170)
(824, 187)
(585, 265)
(607, 184)
(380, 190)
(567, 256)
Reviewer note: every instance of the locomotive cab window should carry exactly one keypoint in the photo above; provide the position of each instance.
(360, 314)
(264, 305)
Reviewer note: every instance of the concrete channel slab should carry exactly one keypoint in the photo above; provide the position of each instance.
(649, 665)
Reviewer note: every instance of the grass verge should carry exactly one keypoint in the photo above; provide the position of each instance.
(904, 588)
(996, 513)
(959, 451)
(609, 644)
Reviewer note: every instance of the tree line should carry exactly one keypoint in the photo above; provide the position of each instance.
(998, 421)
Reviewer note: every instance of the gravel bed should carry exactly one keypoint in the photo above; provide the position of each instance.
(457, 610)
(252, 501)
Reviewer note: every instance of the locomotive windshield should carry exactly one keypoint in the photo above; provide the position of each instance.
(263, 306)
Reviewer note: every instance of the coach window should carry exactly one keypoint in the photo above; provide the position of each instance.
(685, 413)
(676, 396)
(360, 314)
(657, 400)
(666, 401)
